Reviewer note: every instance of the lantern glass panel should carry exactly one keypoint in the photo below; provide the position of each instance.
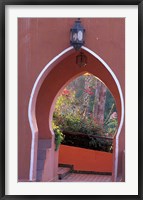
(77, 35)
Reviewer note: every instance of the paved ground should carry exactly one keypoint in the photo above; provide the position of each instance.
(74, 177)
(62, 170)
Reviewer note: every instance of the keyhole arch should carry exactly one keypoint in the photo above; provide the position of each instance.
(37, 88)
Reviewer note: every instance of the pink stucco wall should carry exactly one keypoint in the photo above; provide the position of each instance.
(40, 40)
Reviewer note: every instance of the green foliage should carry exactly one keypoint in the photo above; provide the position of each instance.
(70, 115)
(79, 93)
(70, 123)
(93, 142)
(87, 141)
(108, 104)
(111, 126)
(59, 137)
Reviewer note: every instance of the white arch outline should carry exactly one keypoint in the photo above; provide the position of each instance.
(32, 104)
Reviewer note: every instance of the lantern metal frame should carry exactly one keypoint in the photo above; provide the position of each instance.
(77, 35)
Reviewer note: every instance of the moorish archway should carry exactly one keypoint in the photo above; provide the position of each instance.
(53, 77)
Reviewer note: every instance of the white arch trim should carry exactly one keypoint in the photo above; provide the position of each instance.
(32, 104)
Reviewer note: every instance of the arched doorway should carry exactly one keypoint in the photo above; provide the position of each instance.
(85, 123)
(46, 88)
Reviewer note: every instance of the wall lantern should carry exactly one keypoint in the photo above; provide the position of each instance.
(81, 60)
(77, 35)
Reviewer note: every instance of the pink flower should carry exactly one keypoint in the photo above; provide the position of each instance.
(113, 115)
(89, 91)
(65, 92)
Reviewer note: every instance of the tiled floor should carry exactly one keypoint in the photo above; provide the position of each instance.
(86, 178)
(74, 177)
(62, 170)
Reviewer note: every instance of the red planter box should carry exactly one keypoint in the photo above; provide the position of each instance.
(85, 159)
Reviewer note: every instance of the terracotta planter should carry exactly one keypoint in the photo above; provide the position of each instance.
(86, 159)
